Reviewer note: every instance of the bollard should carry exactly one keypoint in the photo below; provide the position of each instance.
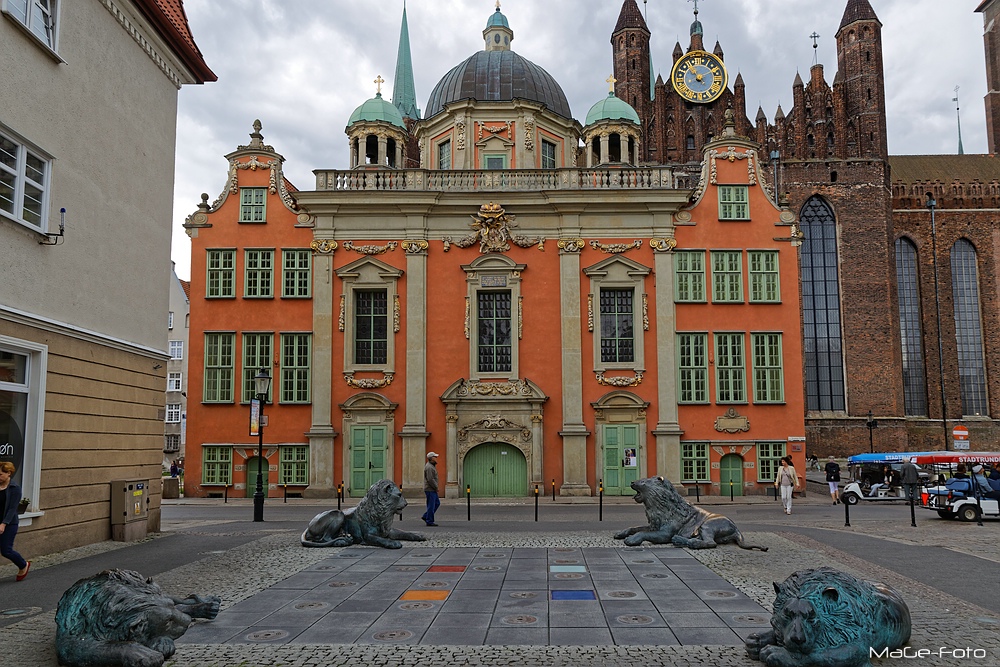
(286, 494)
(340, 493)
(600, 500)
(536, 502)
(847, 514)
(553, 489)
(730, 490)
(913, 513)
(225, 494)
(468, 503)
(697, 493)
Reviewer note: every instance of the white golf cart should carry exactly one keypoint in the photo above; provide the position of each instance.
(867, 470)
(962, 498)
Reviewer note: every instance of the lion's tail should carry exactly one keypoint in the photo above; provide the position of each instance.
(742, 544)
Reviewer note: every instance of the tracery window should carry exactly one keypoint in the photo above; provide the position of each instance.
(968, 328)
(911, 338)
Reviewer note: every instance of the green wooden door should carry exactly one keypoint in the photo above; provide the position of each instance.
(253, 464)
(731, 469)
(367, 455)
(621, 459)
(496, 469)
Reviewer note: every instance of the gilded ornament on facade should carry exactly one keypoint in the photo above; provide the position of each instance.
(368, 383)
(520, 318)
(663, 245)
(371, 249)
(395, 313)
(323, 246)
(590, 312)
(732, 422)
(619, 381)
(468, 316)
(342, 318)
(571, 245)
(414, 246)
(645, 312)
(615, 248)
(494, 423)
(492, 229)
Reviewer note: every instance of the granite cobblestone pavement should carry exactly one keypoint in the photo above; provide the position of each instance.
(259, 567)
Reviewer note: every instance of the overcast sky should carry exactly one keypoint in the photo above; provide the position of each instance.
(302, 66)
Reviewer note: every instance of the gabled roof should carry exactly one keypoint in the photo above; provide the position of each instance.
(858, 10)
(630, 18)
(169, 19)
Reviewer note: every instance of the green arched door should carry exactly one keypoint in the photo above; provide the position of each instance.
(496, 469)
(253, 465)
(731, 470)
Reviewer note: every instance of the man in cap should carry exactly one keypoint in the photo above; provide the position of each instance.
(431, 488)
(981, 481)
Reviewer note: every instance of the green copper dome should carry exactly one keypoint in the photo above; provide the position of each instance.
(612, 108)
(497, 20)
(377, 109)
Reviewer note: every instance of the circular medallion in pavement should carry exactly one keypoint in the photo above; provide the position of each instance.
(349, 555)
(656, 575)
(311, 605)
(752, 619)
(519, 619)
(266, 635)
(566, 561)
(621, 594)
(720, 594)
(19, 611)
(486, 568)
(416, 606)
(407, 568)
(523, 595)
(433, 584)
(494, 555)
(392, 635)
(634, 619)
(568, 575)
(341, 584)
(644, 560)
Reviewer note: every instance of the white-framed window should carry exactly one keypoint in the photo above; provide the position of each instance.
(293, 465)
(217, 465)
(258, 274)
(170, 320)
(22, 414)
(173, 413)
(173, 381)
(252, 204)
(493, 315)
(25, 173)
(617, 308)
(172, 442)
(769, 455)
(257, 354)
(39, 18)
(371, 327)
(734, 202)
(296, 274)
(369, 315)
(694, 462)
(618, 299)
(176, 349)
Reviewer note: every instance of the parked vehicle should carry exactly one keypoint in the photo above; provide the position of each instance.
(960, 498)
(866, 470)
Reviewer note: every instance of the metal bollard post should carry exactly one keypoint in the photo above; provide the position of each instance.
(913, 513)
(553, 489)
(697, 493)
(468, 502)
(600, 500)
(225, 494)
(536, 502)
(847, 514)
(340, 493)
(730, 490)
(286, 494)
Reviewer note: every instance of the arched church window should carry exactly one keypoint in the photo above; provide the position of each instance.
(910, 329)
(968, 329)
(822, 339)
(690, 142)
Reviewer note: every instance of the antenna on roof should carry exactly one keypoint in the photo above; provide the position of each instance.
(958, 114)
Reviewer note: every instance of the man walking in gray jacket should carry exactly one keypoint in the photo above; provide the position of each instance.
(431, 488)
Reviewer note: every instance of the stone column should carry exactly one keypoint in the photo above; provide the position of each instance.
(590, 153)
(414, 434)
(605, 149)
(321, 433)
(399, 154)
(452, 489)
(668, 431)
(574, 432)
(382, 147)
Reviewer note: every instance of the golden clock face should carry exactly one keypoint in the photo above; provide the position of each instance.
(699, 76)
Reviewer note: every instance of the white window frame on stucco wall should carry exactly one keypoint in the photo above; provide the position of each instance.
(34, 422)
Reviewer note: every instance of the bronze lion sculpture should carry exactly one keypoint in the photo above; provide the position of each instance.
(370, 522)
(673, 520)
(119, 617)
(827, 618)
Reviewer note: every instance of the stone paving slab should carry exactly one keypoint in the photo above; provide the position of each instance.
(463, 596)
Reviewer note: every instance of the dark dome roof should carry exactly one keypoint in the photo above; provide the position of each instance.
(498, 76)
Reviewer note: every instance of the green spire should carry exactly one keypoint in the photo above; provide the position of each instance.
(404, 93)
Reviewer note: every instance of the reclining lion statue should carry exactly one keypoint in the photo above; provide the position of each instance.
(827, 618)
(370, 522)
(674, 520)
(119, 617)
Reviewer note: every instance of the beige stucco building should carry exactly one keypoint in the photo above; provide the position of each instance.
(87, 134)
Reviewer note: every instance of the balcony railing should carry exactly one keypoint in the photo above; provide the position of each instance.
(510, 180)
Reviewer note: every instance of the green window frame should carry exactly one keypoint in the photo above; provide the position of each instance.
(296, 361)
(765, 283)
(617, 310)
(258, 274)
(296, 274)
(218, 383)
(293, 465)
(694, 462)
(734, 202)
(692, 359)
(730, 368)
(727, 276)
(220, 281)
(689, 276)
(769, 455)
(253, 202)
(768, 376)
(257, 354)
(494, 161)
(216, 466)
(371, 326)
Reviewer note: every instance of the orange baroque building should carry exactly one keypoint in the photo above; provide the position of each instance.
(503, 285)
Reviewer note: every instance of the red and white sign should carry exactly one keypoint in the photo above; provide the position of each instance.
(960, 436)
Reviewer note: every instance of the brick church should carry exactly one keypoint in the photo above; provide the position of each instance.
(664, 288)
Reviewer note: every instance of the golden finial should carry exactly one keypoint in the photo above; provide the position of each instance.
(611, 83)
(378, 84)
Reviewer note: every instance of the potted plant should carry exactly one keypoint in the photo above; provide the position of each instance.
(22, 506)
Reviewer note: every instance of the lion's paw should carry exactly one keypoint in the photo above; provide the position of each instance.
(633, 540)
(621, 535)
(137, 655)
(778, 656)
(756, 642)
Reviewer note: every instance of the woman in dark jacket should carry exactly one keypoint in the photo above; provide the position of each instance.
(10, 498)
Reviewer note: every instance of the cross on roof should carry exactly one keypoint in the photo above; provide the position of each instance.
(814, 37)
(378, 84)
(695, 6)
(611, 83)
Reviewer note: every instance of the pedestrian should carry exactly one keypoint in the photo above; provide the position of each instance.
(431, 488)
(833, 479)
(10, 498)
(787, 480)
(173, 468)
(910, 478)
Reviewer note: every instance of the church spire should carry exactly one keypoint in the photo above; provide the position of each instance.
(404, 94)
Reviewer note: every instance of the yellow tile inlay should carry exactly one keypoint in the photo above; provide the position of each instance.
(424, 595)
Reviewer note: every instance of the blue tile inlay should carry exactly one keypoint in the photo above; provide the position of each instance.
(573, 595)
(567, 568)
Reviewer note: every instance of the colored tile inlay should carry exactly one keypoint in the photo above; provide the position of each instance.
(567, 568)
(574, 595)
(446, 568)
(424, 595)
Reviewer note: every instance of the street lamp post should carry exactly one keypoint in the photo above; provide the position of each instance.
(931, 206)
(262, 382)
(872, 424)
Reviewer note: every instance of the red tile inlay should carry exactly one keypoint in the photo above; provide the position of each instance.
(446, 568)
